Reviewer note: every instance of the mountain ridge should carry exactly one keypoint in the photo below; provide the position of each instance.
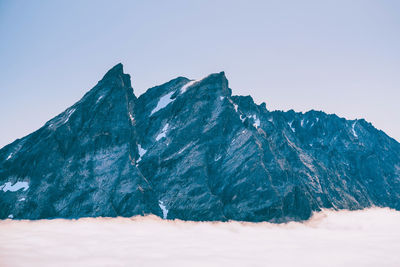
(188, 149)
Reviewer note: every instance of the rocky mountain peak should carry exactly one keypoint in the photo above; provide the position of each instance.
(216, 82)
(117, 70)
(116, 77)
(188, 149)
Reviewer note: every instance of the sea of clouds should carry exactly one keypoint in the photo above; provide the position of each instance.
(346, 238)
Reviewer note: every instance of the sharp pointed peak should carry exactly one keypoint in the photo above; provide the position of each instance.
(115, 71)
(116, 75)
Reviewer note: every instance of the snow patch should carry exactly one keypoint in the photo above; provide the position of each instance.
(141, 153)
(291, 127)
(163, 102)
(13, 188)
(184, 148)
(98, 100)
(163, 132)
(69, 113)
(235, 107)
(354, 130)
(21, 199)
(187, 85)
(302, 122)
(257, 122)
(271, 120)
(221, 98)
(9, 156)
(10, 216)
(163, 208)
(131, 118)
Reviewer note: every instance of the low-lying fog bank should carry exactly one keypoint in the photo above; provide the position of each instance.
(358, 238)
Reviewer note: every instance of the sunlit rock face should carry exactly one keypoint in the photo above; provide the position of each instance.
(188, 149)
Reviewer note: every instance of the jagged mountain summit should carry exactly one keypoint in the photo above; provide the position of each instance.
(190, 150)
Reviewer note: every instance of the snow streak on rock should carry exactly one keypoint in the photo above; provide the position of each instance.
(14, 187)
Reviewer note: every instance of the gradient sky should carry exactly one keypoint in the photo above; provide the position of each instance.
(341, 57)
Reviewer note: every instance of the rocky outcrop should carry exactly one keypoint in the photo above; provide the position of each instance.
(190, 150)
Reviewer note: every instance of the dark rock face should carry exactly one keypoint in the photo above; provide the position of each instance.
(191, 150)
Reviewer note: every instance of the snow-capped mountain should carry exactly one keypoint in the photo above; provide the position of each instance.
(190, 150)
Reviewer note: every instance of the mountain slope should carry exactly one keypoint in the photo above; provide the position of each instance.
(80, 163)
(190, 150)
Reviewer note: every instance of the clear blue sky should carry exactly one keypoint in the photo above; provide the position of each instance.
(341, 57)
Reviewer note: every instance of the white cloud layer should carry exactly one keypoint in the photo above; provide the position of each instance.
(358, 238)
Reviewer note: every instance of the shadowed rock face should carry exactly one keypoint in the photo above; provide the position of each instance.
(190, 150)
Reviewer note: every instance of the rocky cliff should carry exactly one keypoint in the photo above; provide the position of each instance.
(190, 150)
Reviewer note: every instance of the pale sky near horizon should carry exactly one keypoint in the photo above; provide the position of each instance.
(341, 57)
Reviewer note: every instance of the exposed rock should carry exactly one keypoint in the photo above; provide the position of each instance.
(190, 150)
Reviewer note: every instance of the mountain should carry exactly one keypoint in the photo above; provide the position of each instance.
(190, 150)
